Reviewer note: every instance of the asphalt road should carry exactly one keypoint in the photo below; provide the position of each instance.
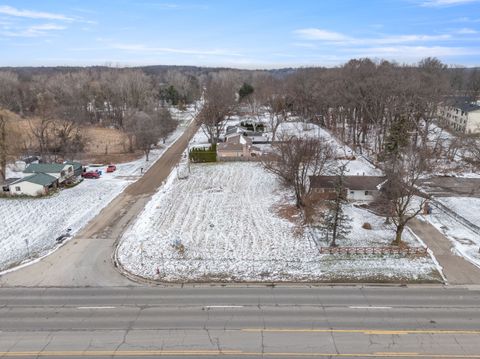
(287, 322)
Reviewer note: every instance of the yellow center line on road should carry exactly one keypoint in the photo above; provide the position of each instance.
(365, 331)
(199, 353)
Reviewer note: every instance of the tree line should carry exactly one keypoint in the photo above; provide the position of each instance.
(63, 102)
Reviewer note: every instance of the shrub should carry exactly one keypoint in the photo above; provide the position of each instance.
(202, 155)
(367, 225)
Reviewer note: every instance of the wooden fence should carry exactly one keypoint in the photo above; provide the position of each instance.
(406, 251)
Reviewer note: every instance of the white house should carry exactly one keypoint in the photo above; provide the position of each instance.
(357, 188)
(255, 137)
(61, 171)
(237, 147)
(38, 184)
(462, 116)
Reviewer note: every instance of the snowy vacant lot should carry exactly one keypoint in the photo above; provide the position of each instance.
(29, 226)
(222, 223)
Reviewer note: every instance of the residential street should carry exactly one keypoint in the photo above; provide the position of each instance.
(86, 260)
(240, 322)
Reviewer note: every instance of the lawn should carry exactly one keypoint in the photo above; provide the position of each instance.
(223, 224)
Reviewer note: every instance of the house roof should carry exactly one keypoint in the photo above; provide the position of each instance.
(363, 183)
(9, 181)
(41, 179)
(45, 168)
(465, 105)
(239, 139)
(229, 146)
(254, 134)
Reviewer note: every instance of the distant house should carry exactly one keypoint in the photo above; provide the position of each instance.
(6, 184)
(77, 168)
(61, 171)
(237, 147)
(38, 184)
(256, 137)
(357, 188)
(462, 116)
(20, 165)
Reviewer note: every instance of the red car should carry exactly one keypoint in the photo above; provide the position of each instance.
(111, 168)
(90, 174)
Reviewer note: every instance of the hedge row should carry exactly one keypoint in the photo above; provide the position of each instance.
(201, 155)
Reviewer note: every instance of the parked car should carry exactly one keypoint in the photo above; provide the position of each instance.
(111, 168)
(91, 174)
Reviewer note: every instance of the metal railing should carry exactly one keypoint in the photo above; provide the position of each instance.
(406, 251)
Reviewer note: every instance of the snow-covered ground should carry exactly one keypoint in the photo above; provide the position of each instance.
(359, 166)
(466, 207)
(29, 226)
(222, 223)
(465, 241)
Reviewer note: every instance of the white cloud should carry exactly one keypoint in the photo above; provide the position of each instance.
(398, 39)
(30, 14)
(32, 31)
(344, 40)
(306, 45)
(443, 3)
(415, 52)
(466, 31)
(153, 49)
(320, 34)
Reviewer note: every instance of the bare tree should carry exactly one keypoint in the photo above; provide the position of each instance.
(69, 139)
(10, 94)
(295, 159)
(219, 104)
(147, 133)
(10, 140)
(144, 130)
(400, 197)
(3, 147)
(164, 122)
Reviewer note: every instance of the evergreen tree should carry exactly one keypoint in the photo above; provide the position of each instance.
(245, 90)
(335, 221)
(398, 137)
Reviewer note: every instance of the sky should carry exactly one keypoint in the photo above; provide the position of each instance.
(251, 34)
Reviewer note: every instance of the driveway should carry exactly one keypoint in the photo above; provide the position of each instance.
(456, 269)
(452, 186)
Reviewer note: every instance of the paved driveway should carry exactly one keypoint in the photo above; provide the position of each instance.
(455, 268)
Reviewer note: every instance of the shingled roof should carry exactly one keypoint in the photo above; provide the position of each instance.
(45, 168)
(361, 183)
(465, 105)
(41, 179)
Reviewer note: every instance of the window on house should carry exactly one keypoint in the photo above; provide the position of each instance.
(367, 193)
(17, 188)
(352, 192)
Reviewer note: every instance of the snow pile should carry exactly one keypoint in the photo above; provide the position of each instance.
(29, 226)
(221, 224)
